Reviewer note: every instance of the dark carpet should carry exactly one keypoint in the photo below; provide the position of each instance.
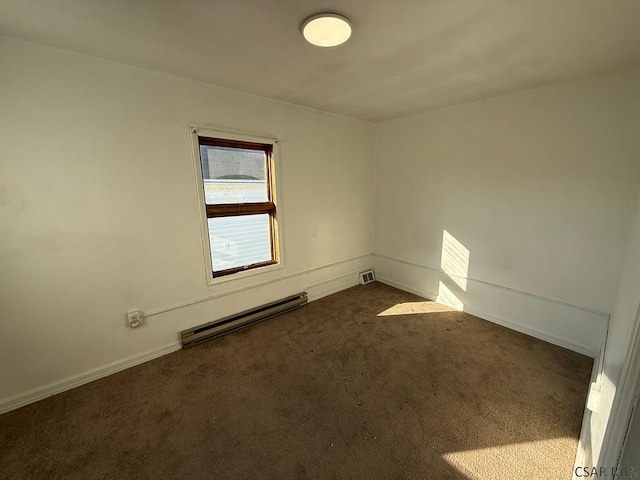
(370, 383)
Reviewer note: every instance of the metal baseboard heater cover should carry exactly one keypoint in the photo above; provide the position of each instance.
(214, 329)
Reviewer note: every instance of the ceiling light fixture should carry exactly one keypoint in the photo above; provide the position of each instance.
(326, 29)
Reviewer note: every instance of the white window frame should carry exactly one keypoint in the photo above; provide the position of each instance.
(196, 131)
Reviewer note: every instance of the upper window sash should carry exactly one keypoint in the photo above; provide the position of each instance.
(231, 177)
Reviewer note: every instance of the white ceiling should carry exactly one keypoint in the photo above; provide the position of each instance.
(405, 56)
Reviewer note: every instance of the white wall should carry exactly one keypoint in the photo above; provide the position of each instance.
(537, 188)
(98, 211)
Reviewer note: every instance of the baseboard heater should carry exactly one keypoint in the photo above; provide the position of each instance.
(214, 329)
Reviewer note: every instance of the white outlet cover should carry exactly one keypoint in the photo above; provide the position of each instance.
(595, 398)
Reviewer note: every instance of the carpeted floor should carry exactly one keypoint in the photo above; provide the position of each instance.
(370, 383)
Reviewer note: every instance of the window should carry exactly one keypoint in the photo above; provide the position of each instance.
(238, 192)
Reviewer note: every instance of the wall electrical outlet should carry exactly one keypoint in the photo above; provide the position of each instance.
(594, 400)
(134, 318)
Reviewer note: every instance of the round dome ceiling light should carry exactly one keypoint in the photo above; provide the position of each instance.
(326, 30)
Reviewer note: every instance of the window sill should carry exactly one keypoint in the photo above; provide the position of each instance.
(211, 280)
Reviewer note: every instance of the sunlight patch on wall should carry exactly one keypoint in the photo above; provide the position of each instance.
(411, 308)
(447, 297)
(455, 260)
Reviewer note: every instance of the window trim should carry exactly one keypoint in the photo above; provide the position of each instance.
(236, 209)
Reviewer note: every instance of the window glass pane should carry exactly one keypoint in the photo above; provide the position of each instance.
(233, 175)
(239, 241)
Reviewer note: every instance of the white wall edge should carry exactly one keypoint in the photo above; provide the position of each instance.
(499, 321)
(623, 403)
(584, 457)
(74, 381)
(316, 291)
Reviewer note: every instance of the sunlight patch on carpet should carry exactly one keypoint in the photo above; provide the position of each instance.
(412, 308)
(519, 460)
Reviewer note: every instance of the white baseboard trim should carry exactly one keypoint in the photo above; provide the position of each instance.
(315, 291)
(400, 286)
(439, 271)
(532, 332)
(252, 286)
(497, 320)
(334, 285)
(68, 383)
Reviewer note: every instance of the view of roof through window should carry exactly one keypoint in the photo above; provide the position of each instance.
(232, 175)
